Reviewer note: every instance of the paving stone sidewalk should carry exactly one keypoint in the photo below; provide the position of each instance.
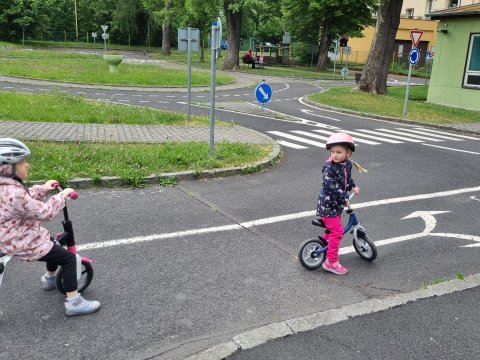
(128, 133)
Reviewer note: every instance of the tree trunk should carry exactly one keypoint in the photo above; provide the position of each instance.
(166, 38)
(234, 26)
(323, 48)
(375, 71)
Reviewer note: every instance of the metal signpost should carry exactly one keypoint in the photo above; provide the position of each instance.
(94, 36)
(347, 50)
(215, 53)
(263, 93)
(105, 36)
(413, 59)
(335, 57)
(188, 40)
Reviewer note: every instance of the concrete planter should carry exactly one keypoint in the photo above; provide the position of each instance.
(113, 61)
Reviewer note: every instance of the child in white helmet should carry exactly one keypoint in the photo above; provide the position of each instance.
(333, 197)
(21, 236)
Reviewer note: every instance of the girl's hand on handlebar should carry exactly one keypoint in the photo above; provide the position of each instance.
(50, 185)
(67, 192)
(356, 190)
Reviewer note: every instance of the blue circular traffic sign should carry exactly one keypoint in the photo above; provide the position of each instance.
(414, 56)
(263, 93)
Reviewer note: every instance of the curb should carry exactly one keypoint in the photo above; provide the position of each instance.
(170, 178)
(391, 118)
(274, 331)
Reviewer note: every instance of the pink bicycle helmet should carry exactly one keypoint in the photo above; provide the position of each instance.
(340, 139)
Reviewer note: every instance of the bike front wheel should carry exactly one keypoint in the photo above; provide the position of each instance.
(312, 253)
(85, 277)
(365, 247)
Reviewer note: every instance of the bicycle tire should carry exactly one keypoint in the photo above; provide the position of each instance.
(305, 254)
(365, 247)
(85, 278)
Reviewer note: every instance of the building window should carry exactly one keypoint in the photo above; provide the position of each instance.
(454, 3)
(410, 13)
(472, 70)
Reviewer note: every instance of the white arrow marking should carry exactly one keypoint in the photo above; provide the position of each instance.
(430, 223)
(474, 198)
(265, 95)
(309, 112)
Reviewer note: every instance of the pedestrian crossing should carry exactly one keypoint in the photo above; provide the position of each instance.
(301, 139)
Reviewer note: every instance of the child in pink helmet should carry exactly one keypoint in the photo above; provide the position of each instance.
(333, 197)
(21, 235)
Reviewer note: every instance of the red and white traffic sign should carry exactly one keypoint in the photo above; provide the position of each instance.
(415, 35)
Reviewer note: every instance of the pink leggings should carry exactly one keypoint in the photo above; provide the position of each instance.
(334, 224)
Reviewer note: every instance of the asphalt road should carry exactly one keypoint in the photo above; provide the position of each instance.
(184, 268)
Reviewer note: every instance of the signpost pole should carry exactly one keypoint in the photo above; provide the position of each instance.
(189, 71)
(408, 89)
(216, 25)
(335, 58)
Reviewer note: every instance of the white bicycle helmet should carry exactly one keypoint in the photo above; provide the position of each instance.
(12, 151)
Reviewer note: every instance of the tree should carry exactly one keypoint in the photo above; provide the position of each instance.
(375, 70)
(325, 20)
(200, 15)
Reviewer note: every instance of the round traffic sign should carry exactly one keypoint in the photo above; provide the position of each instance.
(414, 56)
(104, 36)
(263, 93)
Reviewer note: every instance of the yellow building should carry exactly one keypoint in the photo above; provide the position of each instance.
(403, 43)
(414, 15)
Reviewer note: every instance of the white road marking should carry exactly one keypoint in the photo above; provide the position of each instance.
(389, 135)
(447, 148)
(297, 138)
(358, 140)
(434, 135)
(291, 145)
(450, 134)
(354, 133)
(270, 220)
(309, 112)
(426, 138)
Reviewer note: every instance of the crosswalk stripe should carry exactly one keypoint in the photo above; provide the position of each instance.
(356, 139)
(372, 137)
(411, 135)
(450, 134)
(292, 145)
(306, 133)
(421, 131)
(390, 135)
(296, 138)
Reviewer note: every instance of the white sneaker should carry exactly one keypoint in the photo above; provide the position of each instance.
(80, 306)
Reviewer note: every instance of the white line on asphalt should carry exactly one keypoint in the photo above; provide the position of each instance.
(122, 100)
(285, 88)
(448, 133)
(297, 138)
(291, 145)
(447, 148)
(270, 220)
(421, 131)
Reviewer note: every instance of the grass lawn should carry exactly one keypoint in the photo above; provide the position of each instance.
(92, 69)
(74, 109)
(392, 105)
(132, 162)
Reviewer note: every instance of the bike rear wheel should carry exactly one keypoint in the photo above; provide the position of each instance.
(307, 253)
(85, 277)
(365, 247)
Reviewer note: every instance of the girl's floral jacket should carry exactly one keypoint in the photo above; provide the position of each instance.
(20, 215)
(337, 181)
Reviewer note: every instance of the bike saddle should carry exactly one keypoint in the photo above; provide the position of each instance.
(318, 222)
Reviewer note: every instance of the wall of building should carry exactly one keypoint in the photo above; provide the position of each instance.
(361, 46)
(449, 65)
(421, 7)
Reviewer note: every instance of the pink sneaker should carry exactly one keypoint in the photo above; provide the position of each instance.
(335, 268)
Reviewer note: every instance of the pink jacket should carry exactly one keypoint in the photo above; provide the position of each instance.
(20, 216)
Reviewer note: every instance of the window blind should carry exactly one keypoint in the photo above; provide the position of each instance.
(475, 54)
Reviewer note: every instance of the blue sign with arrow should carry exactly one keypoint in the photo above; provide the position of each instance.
(263, 93)
(414, 56)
